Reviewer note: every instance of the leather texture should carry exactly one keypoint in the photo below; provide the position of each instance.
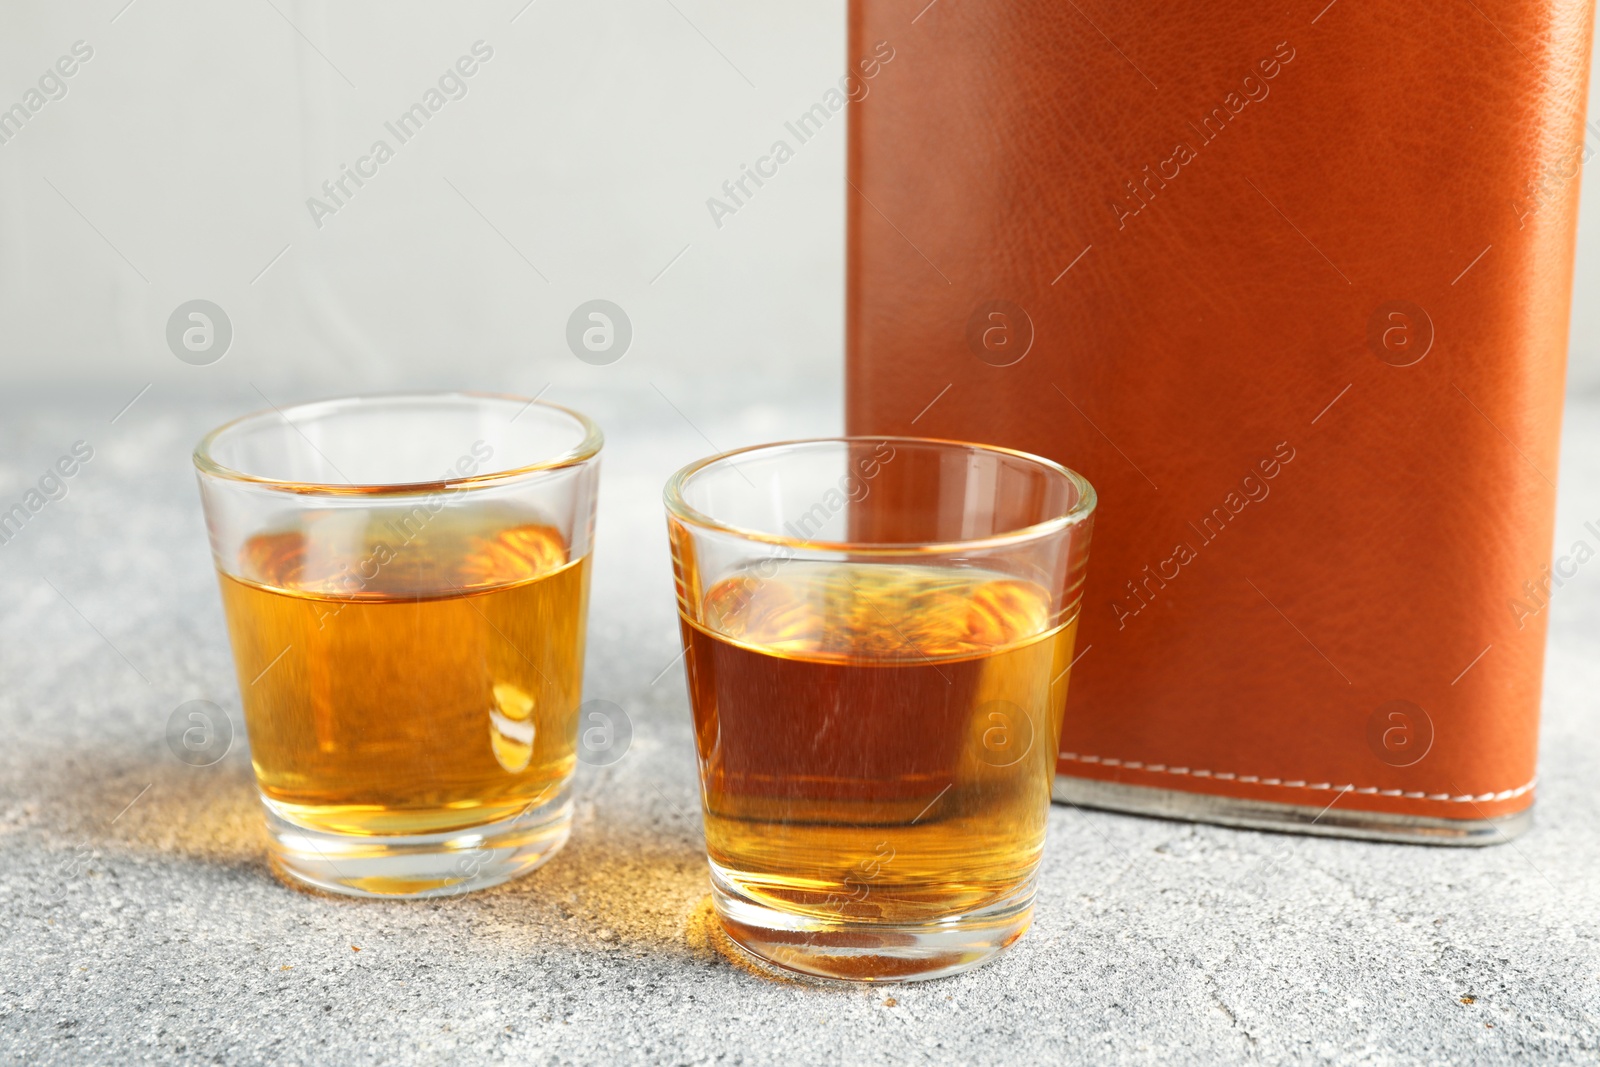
(1290, 286)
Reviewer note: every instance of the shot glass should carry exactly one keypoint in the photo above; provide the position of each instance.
(878, 637)
(405, 580)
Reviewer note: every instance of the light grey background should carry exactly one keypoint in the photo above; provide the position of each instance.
(178, 166)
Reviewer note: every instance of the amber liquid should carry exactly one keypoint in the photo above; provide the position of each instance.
(406, 680)
(877, 742)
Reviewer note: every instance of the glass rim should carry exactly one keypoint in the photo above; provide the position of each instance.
(1078, 513)
(584, 450)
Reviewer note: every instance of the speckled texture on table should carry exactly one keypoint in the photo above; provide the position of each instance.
(154, 932)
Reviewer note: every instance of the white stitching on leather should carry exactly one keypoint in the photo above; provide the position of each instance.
(1325, 787)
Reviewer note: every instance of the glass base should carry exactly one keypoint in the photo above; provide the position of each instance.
(419, 865)
(869, 951)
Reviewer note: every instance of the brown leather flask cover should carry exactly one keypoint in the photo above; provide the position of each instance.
(1290, 286)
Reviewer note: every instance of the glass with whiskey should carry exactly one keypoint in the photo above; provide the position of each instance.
(879, 635)
(405, 580)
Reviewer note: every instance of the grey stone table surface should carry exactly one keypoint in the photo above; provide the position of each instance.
(139, 922)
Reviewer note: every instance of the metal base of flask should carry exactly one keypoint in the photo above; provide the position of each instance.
(1321, 821)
